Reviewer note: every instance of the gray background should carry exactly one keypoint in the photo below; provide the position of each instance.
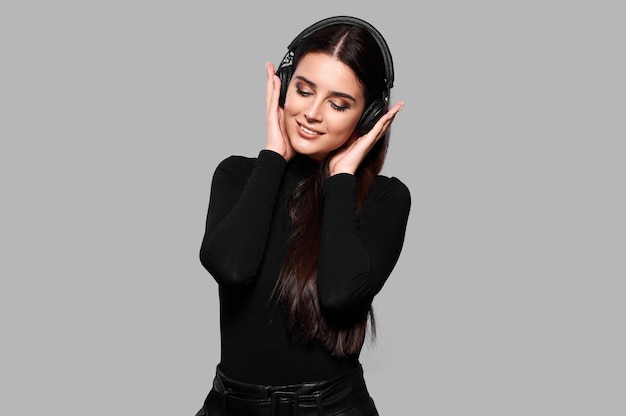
(508, 298)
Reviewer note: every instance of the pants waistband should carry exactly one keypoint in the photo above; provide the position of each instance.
(312, 398)
(223, 383)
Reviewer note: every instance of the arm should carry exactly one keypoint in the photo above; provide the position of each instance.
(242, 201)
(358, 252)
(239, 216)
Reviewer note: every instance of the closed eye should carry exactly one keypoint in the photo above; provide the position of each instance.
(339, 107)
(303, 93)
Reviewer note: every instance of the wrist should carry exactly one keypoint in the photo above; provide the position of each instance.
(336, 169)
(334, 172)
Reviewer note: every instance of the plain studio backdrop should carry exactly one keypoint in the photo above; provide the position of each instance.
(509, 296)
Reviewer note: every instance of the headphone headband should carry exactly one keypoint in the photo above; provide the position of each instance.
(336, 20)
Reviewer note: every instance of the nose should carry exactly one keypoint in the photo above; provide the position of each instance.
(314, 112)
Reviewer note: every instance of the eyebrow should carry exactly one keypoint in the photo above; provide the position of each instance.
(333, 93)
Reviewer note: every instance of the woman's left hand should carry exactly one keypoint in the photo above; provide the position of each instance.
(348, 158)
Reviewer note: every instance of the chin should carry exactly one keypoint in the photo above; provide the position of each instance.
(312, 153)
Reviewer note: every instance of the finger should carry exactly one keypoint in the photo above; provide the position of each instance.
(385, 121)
(274, 94)
(390, 115)
(272, 108)
(269, 69)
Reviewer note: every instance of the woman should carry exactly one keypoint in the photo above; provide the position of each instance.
(301, 238)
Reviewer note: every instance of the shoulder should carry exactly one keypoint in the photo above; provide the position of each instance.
(385, 187)
(388, 194)
(265, 158)
(236, 163)
(236, 168)
(387, 202)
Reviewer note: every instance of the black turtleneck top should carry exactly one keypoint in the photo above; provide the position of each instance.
(245, 243)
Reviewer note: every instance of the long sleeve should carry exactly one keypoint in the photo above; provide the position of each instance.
(359, 251)
(243, 194)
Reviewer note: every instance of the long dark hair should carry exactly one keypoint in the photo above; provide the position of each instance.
(297, 283)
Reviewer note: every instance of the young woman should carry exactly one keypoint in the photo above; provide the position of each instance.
(301, 238)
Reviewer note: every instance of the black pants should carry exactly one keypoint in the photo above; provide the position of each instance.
(343, 396)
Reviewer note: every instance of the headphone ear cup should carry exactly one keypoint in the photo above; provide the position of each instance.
(370, 116)
(284, 75)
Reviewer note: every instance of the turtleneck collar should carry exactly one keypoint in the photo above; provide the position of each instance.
(303, 165)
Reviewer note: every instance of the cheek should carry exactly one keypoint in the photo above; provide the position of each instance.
(343, 124)
(292, 102)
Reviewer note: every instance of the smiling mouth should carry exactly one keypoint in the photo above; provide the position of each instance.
(309, 131)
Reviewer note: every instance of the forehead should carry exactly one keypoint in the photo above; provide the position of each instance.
(328, 73)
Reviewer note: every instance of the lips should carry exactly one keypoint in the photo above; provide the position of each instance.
(309, 132)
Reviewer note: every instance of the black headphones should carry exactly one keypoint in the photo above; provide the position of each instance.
(377, 108)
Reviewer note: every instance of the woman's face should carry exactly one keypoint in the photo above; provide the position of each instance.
(323, 105)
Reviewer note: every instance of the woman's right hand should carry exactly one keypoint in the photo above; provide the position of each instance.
(277, 139)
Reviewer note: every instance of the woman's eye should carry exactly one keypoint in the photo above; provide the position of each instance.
(339, 107)
(303, 93)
